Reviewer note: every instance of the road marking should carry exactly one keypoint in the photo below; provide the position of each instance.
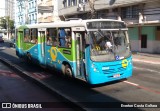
(150, 62)
(146, 69)
(142, 87)
(131, 83)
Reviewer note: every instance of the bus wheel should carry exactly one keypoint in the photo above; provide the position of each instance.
(29, 58)
(68, 71)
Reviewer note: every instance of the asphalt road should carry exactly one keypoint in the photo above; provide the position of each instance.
(16, 89)
(143, 86)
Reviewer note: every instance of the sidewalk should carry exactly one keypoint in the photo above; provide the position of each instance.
(146, 58)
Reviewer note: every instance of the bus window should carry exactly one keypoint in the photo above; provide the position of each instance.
(26, 35)
(33, 35)
(65, 37)
(52, 37)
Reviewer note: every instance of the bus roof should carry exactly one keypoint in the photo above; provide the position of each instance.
(71, 23)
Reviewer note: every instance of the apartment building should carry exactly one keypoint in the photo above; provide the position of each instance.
(10, 9)
(21, 12)
(141, 16)
(34, 11)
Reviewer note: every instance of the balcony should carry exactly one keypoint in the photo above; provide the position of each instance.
(49, 3)
(45, 9)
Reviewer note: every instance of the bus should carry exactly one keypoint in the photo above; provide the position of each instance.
(95, 50)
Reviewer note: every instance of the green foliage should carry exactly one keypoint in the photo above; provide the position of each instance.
(6, 21)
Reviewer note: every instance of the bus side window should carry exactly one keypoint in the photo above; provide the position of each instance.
(34, 36)
(26, 35)
(68, 39)
(64, 35)
(51, 37)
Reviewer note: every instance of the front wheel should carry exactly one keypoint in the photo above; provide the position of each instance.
(68, 71)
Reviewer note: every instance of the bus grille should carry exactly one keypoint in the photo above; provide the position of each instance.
(113, 70)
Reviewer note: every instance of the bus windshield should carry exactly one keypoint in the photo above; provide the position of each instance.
(109, 45)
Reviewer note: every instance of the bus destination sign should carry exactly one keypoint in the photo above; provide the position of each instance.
(105, 25)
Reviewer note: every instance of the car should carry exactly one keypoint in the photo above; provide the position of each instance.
(1, 39)
(12, 43)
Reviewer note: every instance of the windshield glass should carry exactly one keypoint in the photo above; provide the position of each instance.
(109, 45)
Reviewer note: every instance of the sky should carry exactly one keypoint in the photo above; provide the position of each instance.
(2, 8)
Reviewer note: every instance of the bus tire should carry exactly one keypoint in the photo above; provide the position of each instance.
(29, 58)
(68, 71)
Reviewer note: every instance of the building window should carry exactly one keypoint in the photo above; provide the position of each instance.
(29, 17)
(69, 2)
(143, 41)
(29, 5)
(36, 16)
(32, 16)
(35, 3)
(65, 3)
(130, 12)
(32, 4)
(158, 33)
(21, 19)
(74, 2)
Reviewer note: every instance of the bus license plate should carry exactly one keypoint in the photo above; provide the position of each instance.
(116, 75)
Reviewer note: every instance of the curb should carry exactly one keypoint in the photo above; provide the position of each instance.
(72, 102)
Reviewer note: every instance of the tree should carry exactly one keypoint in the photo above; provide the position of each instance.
(3, 23)
(8, 24)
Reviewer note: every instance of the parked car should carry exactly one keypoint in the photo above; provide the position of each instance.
(1, 39)
(12, 42)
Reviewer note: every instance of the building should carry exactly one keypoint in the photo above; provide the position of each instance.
(141, 16)
(25, 12)
(2, 8)
(34, 11)
(10, 9)
(45, 11)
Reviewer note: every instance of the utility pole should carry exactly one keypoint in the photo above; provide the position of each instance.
(92, 11)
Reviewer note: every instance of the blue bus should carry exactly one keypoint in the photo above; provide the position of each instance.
(96, 50)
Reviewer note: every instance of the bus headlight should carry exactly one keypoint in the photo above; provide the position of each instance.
(95, 69)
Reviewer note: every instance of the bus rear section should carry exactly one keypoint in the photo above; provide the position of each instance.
(19, 42)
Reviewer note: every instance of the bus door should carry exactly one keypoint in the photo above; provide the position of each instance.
(41, 35)
(79, 33)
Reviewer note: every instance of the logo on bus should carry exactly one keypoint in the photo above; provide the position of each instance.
(124, 63)
(53, 53)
